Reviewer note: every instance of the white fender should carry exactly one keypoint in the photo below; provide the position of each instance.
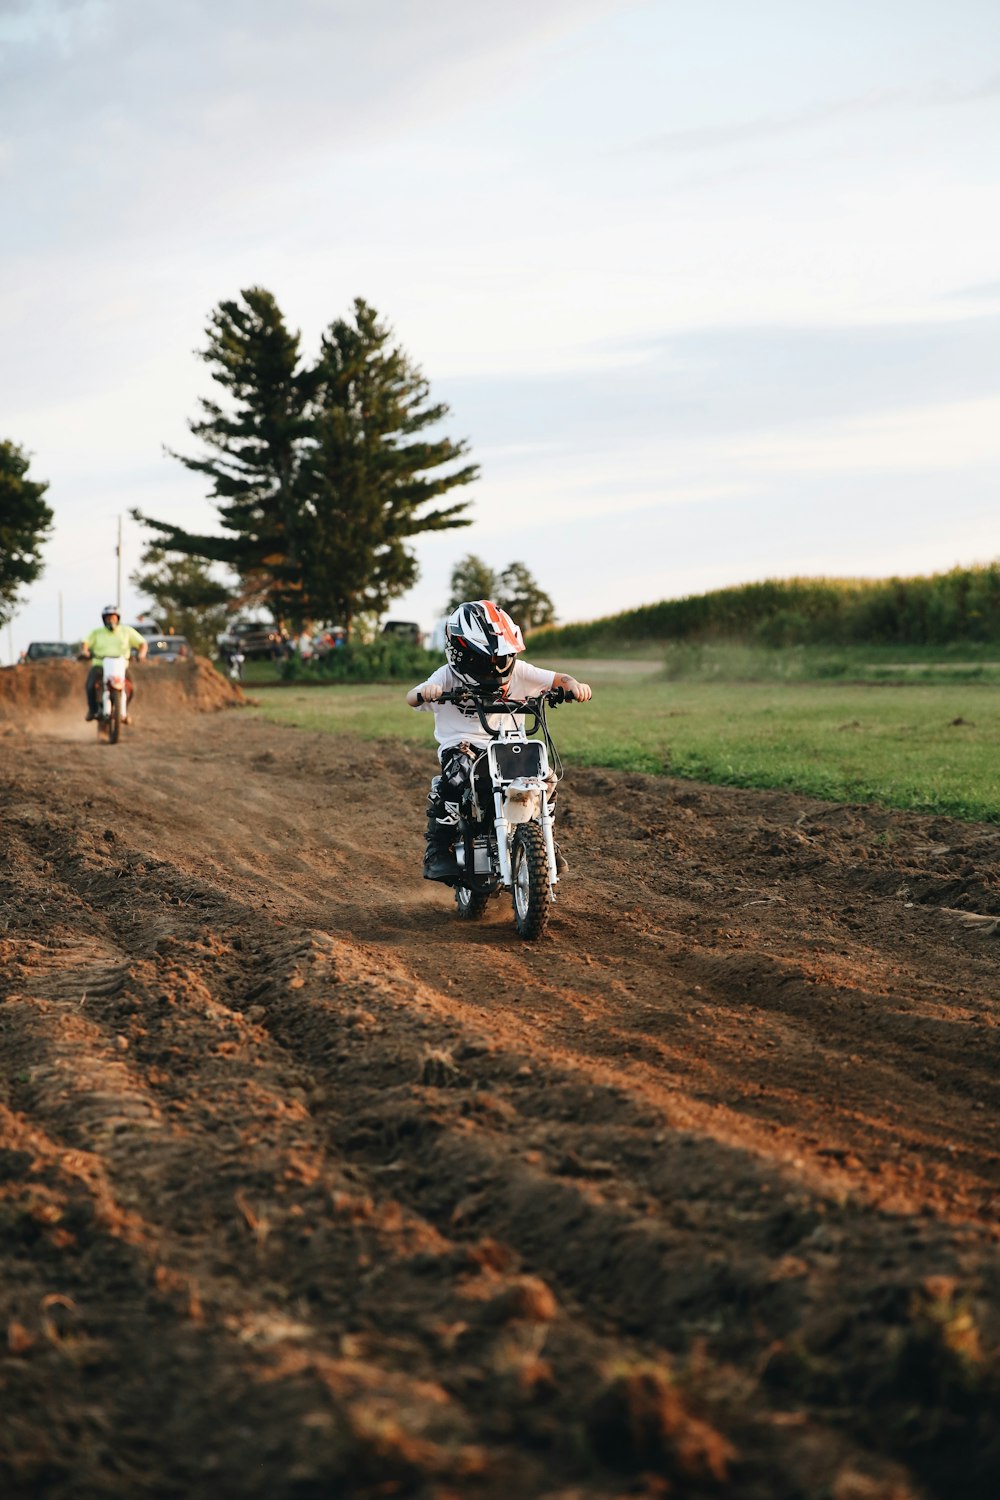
(523, 800)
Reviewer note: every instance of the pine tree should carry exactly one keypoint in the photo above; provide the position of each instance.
(25, 522)
(188, 601)
(367, 486)
(256, 445)
(320, 476)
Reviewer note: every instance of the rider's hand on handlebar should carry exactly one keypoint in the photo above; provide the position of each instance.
(431, 692)
(579, 690)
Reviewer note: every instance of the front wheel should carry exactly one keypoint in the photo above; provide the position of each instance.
(530, 880)
(115, 721)
(469, 905)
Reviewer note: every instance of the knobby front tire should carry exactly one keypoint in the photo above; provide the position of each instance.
(115, 721)
(531, 891)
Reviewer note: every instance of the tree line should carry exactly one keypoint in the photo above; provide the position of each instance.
(934, 610)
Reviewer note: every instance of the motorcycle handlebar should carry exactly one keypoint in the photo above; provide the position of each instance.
(466, 696)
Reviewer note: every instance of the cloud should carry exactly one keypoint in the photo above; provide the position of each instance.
(138, 116)
(710, 383)
(125, 129)
(766, 127)
(816, 116)
(984, 291)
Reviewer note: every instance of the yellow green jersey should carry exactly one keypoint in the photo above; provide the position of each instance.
(103, 642)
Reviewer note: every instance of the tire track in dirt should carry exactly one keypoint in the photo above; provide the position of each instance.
(623, 1203)
(208, 1191)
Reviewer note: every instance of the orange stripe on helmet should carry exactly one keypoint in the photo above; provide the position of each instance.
(504, 625)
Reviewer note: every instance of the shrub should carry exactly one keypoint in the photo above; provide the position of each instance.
(384, 660)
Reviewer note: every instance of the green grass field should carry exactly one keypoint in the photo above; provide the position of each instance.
(930, 746)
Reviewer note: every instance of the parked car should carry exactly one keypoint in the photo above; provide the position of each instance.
(404, 630)
(147, 627)
(51, 651)
(168, 648)
(252, 638)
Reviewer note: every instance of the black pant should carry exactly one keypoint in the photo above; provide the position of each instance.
(444, 800)
(95, 680)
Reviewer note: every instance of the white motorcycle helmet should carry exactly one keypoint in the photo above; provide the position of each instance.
(482, 643)
(107, 612)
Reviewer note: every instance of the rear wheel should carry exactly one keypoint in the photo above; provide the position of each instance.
(470, 904)
(530, 880)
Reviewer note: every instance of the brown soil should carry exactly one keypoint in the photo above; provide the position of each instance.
(309, 1189)
(55, 688)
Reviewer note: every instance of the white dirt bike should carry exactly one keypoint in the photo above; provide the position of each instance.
(505, 840)
(113, 709)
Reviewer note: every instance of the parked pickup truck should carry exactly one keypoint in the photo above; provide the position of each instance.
(252, 638)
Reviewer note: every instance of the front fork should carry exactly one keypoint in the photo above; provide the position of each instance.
(503, 840)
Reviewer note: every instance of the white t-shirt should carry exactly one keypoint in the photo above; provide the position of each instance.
(457, 726)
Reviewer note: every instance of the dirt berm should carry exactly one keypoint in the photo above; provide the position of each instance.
(57, 687)
(308, 1189)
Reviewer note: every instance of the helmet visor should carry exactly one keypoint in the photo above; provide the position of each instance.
(488, 670)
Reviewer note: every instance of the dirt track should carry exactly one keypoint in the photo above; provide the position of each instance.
(307, 1189)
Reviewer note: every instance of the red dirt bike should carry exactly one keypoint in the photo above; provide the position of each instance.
(505, 840)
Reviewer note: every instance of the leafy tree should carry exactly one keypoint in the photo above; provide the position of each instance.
(367, 485)
(185, 596)
(471, 578)
(514, 589)
(255, 448)
(25, 521)
(519, 594)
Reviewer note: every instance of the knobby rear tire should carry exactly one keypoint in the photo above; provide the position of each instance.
(470, 905)
(531, 891)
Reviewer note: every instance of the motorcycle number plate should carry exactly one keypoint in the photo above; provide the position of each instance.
(516, 758)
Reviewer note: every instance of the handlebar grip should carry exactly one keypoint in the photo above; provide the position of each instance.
(420, 699)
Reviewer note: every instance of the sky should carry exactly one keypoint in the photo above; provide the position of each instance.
(712, 291)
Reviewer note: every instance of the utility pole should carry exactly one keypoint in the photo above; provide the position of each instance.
(61, 637)
(118, 555)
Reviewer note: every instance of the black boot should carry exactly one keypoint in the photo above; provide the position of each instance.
(439, 856)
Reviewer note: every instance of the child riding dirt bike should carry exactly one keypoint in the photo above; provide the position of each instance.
(111, 638)
(482, 644)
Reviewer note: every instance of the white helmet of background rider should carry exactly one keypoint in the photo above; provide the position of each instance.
(107, 612)
(482, 643)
